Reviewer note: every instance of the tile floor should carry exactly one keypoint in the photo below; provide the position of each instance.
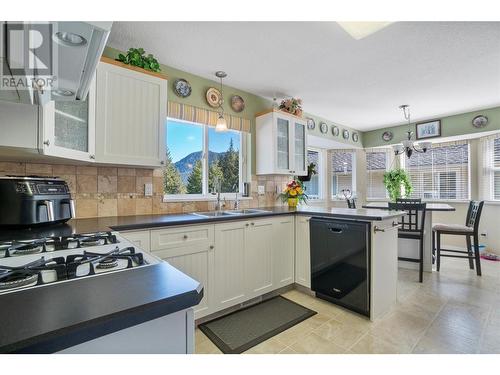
(453, 311)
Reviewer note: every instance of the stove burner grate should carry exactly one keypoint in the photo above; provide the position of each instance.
(15, 277)
(107, 263)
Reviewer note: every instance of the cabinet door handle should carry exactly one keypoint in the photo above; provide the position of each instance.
(377, 229)
(252, 223)
(247, 224)
(47, 143)
(162, 162)
(92, 157)
(185, 237)
(212, 247)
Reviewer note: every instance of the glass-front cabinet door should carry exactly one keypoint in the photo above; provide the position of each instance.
(67, 128)
(299, 148)
(282, 144)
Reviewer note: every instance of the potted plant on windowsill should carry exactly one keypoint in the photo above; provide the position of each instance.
(311, 171)
(398, 184)
(293, 194)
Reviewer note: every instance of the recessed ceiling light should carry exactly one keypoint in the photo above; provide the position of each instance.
(63, 92)
(69, 39)
(360, 30)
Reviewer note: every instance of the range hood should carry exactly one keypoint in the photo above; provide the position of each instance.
(71, 49)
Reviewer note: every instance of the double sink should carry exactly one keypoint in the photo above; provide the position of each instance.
(243, 212)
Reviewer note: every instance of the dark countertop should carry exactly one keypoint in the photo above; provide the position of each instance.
(124, 223)
(429, 206)
(58, 316)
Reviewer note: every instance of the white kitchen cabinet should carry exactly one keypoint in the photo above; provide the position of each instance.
(281, 144)
(67, 128)
(229, 264)
(283, 251)
(131, 114)
(140, 238)
(302, 251)
(191, 250)
(259, 248)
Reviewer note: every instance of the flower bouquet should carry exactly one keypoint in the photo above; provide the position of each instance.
(293, 194)
(292, 105)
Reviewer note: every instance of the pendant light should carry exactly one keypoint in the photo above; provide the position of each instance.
(408, 146)
(221, 125)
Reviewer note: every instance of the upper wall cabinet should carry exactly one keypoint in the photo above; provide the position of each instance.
(67, 128)
(281, 144)
(131, 110)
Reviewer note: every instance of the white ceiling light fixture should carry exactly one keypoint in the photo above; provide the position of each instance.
(360, 30)
(221, 125)
(407, 147)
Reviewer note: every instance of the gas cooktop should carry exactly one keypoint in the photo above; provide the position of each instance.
(40, 262)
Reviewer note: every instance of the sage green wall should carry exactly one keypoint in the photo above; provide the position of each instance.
(253, 103)
(450, 126)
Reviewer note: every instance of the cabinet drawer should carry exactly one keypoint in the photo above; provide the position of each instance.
(178, 237)
(139, 238)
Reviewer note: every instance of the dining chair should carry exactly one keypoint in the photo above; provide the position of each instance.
(411, 226)
(408, 200)
(351, 203)
(471, 232)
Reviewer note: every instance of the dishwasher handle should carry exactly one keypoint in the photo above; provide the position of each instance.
(336, 230)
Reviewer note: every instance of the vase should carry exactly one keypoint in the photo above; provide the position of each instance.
(292, 202)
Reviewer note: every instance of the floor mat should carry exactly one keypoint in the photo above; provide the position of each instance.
(243, 329)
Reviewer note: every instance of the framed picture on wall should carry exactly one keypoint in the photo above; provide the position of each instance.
(428, 129)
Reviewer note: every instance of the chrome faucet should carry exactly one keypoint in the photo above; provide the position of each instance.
(236, 201)
(217, 187)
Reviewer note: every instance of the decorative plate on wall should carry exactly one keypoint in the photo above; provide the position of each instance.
(345, 134)
(310, 124)
(355, 137)
(480, 121)
(237, 103)
(335, 131)
(323, 127)
(182, 88)
(214, 97)
(387, 136)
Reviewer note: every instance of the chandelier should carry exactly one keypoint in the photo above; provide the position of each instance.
(408, 146)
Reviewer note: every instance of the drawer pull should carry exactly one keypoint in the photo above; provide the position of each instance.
(185, 237)
(377, 229)
(252, 223)
(212, 247)
(247, 224)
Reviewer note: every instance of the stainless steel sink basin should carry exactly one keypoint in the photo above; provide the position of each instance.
(246, 211)
(212, 214)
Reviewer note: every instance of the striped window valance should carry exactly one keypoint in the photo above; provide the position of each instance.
(204, 116)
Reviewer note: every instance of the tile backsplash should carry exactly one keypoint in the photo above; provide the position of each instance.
(118, 191)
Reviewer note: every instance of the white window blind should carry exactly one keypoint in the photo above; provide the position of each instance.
(313, 188)
(378, 161)
(342, 171)
(440, 173)
(490, 178)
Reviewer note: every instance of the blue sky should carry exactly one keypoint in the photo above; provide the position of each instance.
(183, 139)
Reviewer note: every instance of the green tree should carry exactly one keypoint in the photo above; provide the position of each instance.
(195, 179)
(171, 178)
(214, 172)
(230, 166)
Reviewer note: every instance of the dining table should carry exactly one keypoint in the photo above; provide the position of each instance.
(408, 248)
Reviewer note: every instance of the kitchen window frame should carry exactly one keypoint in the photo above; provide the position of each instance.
(206, 195)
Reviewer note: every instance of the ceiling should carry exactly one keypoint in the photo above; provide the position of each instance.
(439, 68)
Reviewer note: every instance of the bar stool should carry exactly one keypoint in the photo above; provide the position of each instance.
(469, 230)
(412, 227)
(351, 203)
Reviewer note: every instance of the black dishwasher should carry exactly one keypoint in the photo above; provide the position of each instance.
(340, 262)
